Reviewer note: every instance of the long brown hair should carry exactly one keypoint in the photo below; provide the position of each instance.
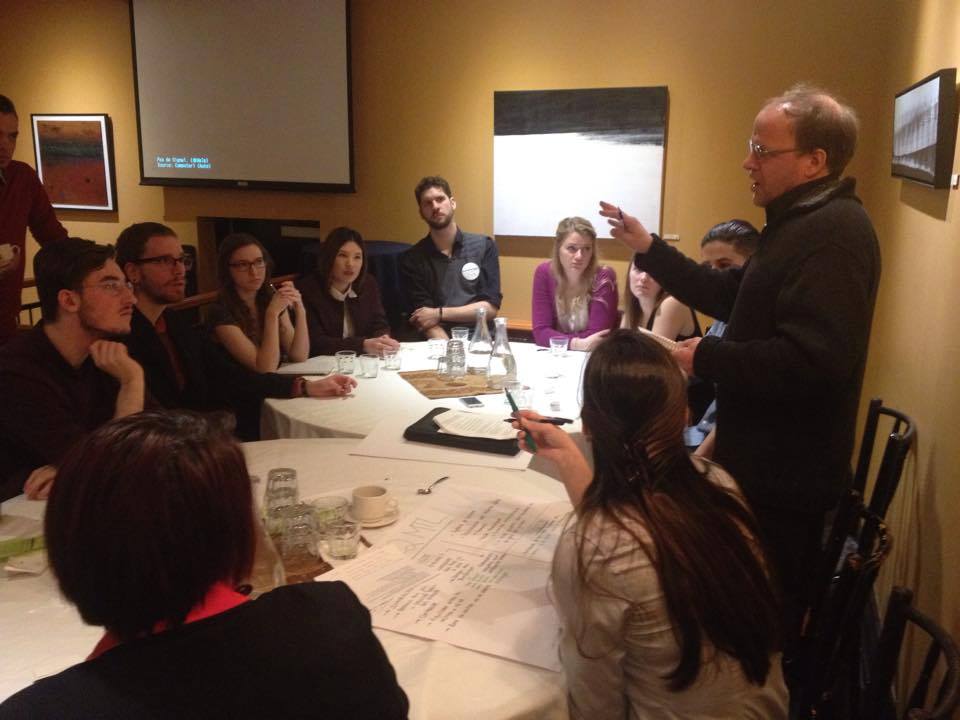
(632, 311)
(699, 536)
(252, 326)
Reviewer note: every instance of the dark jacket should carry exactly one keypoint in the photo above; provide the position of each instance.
(301, 651)
(213, 380)
(325, 315)
(790, 367)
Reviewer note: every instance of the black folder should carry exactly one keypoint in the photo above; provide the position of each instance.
(425, 430)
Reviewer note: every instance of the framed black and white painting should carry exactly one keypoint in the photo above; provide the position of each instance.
(557, 153)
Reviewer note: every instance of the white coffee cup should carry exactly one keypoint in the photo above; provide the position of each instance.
(8, 253)
(371, 503)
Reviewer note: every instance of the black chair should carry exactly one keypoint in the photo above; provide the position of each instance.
(878, 701)
(899, 442)
(829, 642)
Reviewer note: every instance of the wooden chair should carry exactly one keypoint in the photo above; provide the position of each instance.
(878, 701)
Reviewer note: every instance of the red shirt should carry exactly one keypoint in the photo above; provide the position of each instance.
(219, 598)
(23, 203)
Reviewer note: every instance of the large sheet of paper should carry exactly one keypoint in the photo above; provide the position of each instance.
(471, 570)
(386, 441)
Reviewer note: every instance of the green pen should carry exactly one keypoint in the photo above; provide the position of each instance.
(531, 445)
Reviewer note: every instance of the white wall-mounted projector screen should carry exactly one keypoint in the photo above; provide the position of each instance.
(244, 93)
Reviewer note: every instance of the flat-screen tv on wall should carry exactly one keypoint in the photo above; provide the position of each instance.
(925, 129)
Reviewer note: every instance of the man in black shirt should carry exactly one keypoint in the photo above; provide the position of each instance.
(64, 378)
(449, 274)
(184, 368)
(790, 367)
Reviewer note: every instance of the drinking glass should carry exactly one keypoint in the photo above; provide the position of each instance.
(345, 361)
(369, 365)
(559, 346)
(343, 537)
(520, 393)
(282, 491)
(460, 333)
(456, 359)
(391, 359)
(328, 509)
(436, 347)
(299, 539)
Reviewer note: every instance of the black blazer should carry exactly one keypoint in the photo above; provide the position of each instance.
(214, 381)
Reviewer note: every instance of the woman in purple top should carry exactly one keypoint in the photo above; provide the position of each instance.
(573, 297)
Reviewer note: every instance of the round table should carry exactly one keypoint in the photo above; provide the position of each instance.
(388, 394)
(42, 634)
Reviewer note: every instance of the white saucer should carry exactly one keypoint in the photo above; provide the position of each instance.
(381, 521)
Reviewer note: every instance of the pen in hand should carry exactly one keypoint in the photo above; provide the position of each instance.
(545, 420)
(531, 445)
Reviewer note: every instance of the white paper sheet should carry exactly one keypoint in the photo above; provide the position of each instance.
(471, 570)
(386, 441)
(476, 425)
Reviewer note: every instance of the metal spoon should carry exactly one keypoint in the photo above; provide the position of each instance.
(429, 488)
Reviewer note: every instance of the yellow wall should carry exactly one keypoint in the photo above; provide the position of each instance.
(915, 343)
(424, 73)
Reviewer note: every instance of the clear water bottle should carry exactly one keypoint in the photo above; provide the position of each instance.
(502, 367)
(478, 352)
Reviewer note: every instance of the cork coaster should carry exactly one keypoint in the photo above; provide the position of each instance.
(435, 387)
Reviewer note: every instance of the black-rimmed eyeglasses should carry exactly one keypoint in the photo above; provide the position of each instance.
(247, 265)
(168, 261)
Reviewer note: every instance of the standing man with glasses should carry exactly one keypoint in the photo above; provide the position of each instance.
(23, 203)
(184, 367)
(790, 367)
(66, 377)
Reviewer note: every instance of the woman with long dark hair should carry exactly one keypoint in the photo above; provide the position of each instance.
(647, 305)
(660, 582)
(150, 533)
(251, 317)
(344, 311)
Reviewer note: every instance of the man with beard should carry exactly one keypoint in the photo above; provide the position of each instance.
(184, 368)
(449, 274)
(64, 378)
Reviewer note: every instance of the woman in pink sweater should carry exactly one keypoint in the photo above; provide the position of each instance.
(573, 296)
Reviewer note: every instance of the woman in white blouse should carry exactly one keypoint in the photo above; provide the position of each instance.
(659, 581)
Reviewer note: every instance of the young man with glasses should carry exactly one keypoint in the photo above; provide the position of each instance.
(790, 367)
(184, 368)
(66, 377)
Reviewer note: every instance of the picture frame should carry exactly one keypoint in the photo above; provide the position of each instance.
(74, 155)
(925, 130)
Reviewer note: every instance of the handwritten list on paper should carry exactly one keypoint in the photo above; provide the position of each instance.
(472, 571)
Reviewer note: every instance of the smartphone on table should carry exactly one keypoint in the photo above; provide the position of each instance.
(472, 402)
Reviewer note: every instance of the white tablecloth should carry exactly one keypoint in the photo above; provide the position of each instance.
(42, 635)
(389, 394)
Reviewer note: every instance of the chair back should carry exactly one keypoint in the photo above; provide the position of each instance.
(899, 442)
(877, 699)
(830, 637)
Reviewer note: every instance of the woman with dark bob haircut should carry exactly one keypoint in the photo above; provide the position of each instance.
(149, 529)
(659, 580)
(344, 311)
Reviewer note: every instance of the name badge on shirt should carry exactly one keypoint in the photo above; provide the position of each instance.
(470, 271)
